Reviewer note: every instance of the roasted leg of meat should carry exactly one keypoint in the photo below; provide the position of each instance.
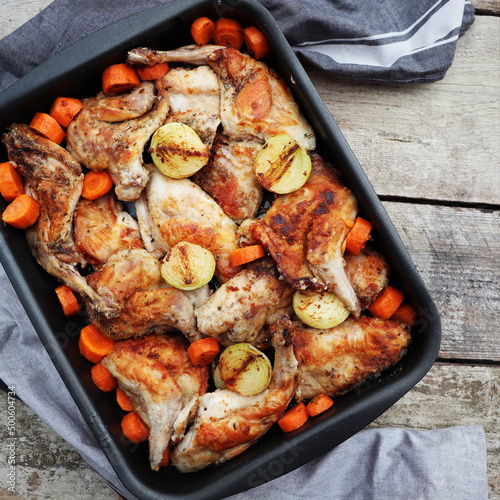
(163, 384)
(110, 133)
(227, 423)
(304, 231)
(239, 309)
(336, 360)
(54, 178)
(192, 54)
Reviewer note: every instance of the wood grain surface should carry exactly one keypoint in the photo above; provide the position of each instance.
(432, 152)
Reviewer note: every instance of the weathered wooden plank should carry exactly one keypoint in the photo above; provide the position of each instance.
(457, 253)
(452, 395)
(487, 6)
(432, 141)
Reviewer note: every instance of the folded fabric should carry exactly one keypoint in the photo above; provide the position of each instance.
(388, 40)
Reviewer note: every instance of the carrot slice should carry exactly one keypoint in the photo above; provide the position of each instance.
(202, 30)
(22, 212)
(387, 303)
(153, 72)
(228, 32)
(255, 42)
(123, 400)
(11, 182)
(358, 236)
(319, 404)
(134, 428)
(119, 78)
(166, 458)
(244, 255)
(203, 351)
(406, 314)
(48, 127)
(294, 418)
(96, 184)
(69, 301)
(103, 378)
(64, 109)
(93, 345)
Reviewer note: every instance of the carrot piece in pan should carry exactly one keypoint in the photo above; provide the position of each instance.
(93, 345)
(387, 303)
(319, 404)
(134, 428)
(294, 418)
(48, 127)
(123, 400)
(103, 378)
(202, 30)
(255, 42)
(22, 212)
(228, 32)
(69, 301)
(358, 236)
(406, 314)
(96, 184)
(11, 182)
(203, 351)
(244, 255)
(119, 78)
(153, 72)
(64, 109)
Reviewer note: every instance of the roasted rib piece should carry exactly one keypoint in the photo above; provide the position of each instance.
(192, 54)
(255, 102)
(227, 423)
(239, 309)
(163, 384)
(368, 274)
(229, 178)
(102, 227)
(110, 133)
(194, 100)
(132, 277)
(304, 231)
(54, 178)
(336, 360)
(174, 210)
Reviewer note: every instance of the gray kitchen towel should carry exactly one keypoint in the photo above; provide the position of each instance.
(383, 40)
(388, 40)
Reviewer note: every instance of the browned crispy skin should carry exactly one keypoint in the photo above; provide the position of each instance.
(163, 384)
(368, 273)
(102, 227)
(336, 360)
(304, 231)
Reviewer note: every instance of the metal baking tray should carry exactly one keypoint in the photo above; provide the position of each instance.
(76, 72)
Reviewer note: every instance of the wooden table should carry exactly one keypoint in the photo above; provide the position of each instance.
(432, 152)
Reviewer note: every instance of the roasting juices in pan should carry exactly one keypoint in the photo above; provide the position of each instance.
(229, 280)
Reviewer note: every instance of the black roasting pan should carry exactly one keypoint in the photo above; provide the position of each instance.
(76, 72)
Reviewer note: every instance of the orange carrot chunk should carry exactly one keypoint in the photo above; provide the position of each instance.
(96, 184)
(406, 314)
(134, 428)
(255, 42)
(11, 182)
(22, 212)
(166, 458)
(119, 78)
(203, 351)
(93, 345)
(153, 72)
(64, 109)
(103, 378)
(202, 30)
(48, 127)
(68, 300)
(358, 236)
(319, 404)
(123, 400)
(228, 32)
(294, 418)
(244, 255)
(387, 303)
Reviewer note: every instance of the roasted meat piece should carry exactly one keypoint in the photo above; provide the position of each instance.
(239, 309)
(110, 133)
(304, 231)
(132, 277)
(191, 54)
(164, 386)
(227, 423)
(336, 360)
(54, 178)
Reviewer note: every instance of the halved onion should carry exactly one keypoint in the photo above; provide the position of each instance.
(282, 165)
(244, 369)
(319, 309)
(177, 150)
(188, 266)
(219, 384)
